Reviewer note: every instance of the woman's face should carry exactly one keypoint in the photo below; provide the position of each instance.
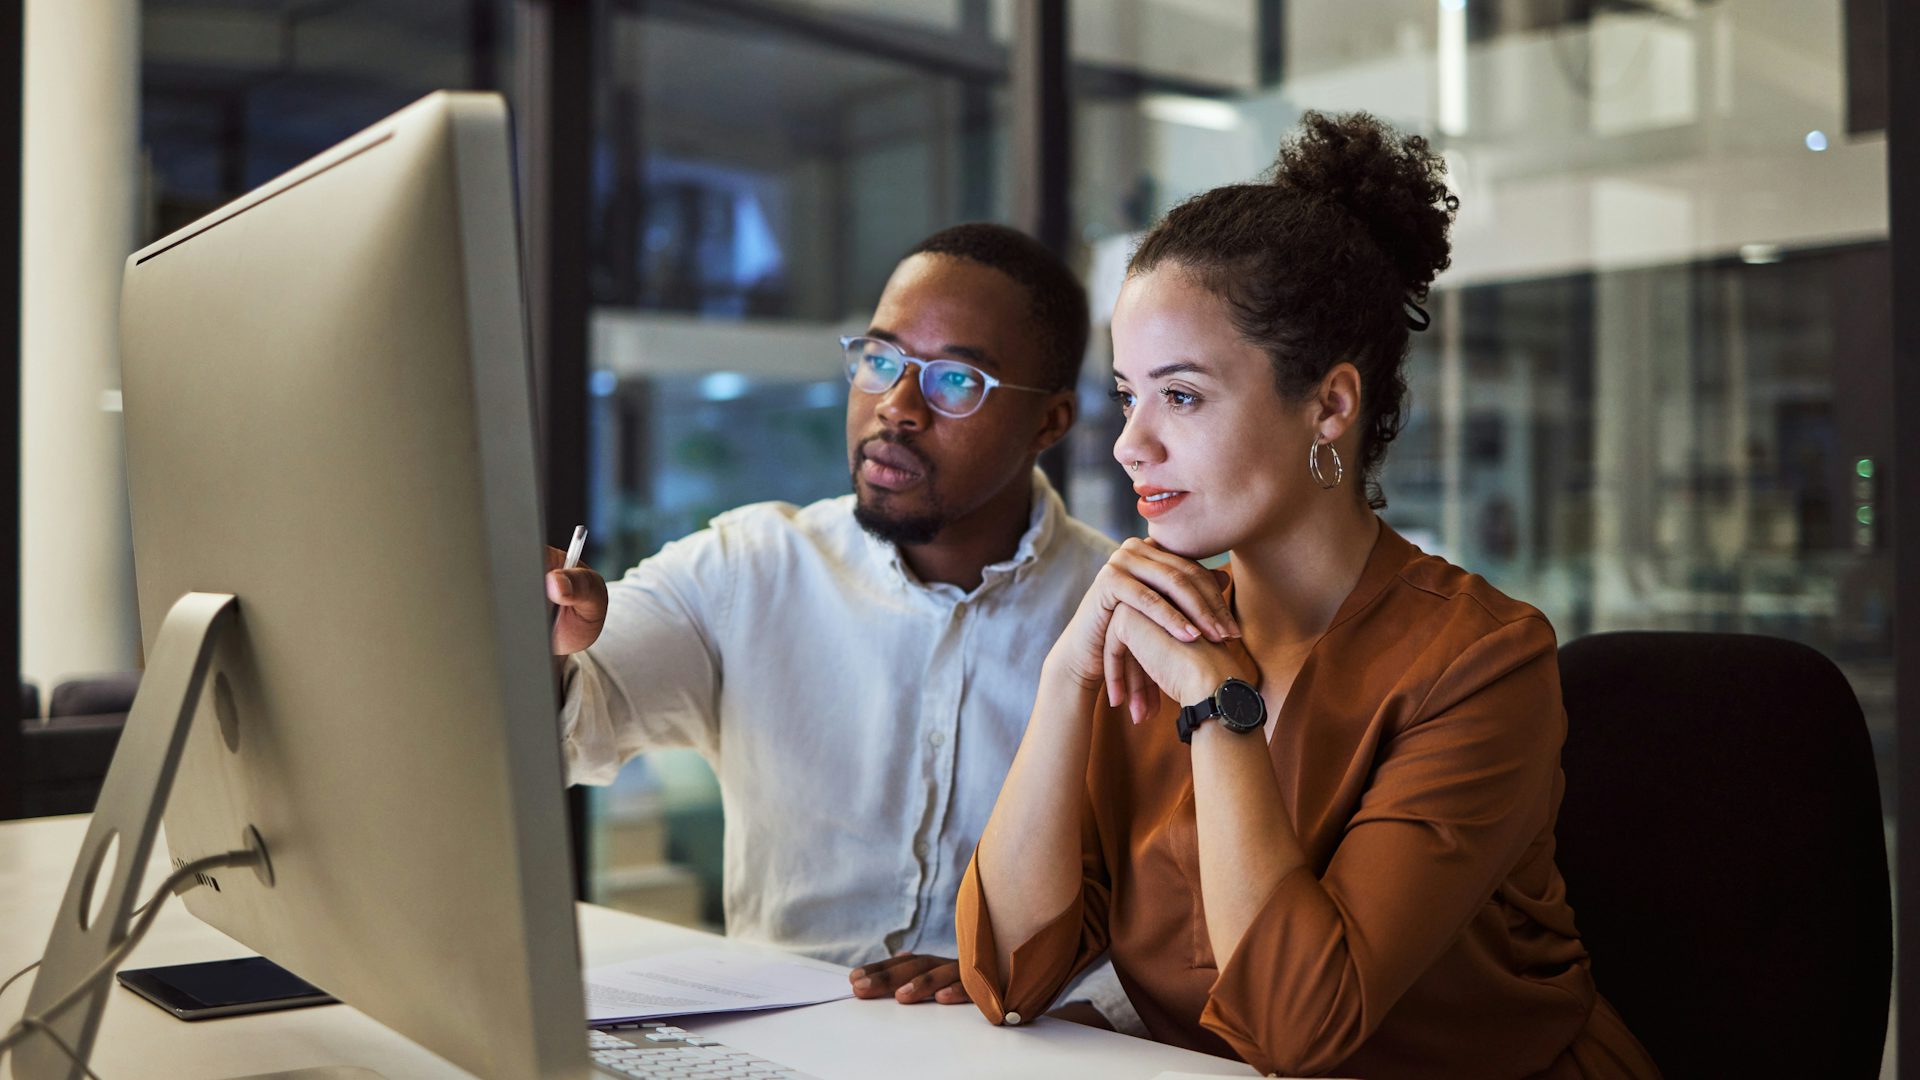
(1222, 457)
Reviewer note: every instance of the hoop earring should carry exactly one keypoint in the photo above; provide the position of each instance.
(1313, 465)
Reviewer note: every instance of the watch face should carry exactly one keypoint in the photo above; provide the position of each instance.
(1241, 706)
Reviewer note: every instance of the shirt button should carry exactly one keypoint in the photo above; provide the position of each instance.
(937, 738)
(1013, 1018)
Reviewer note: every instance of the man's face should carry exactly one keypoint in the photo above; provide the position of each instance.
(916, 471)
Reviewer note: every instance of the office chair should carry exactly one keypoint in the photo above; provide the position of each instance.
(29, 700)
(97, 695)
(1722, 845)
(64, 758)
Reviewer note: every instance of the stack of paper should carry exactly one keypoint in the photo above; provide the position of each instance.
(706, 981)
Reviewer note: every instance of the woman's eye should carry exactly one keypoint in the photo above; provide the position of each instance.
(1122, 398)
(1178, 398)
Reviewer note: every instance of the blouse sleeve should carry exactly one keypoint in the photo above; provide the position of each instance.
(1041, 966)
(1457, 797)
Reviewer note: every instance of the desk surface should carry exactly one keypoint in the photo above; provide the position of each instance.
(852, 1039)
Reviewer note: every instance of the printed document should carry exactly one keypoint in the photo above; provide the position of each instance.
(707, 981)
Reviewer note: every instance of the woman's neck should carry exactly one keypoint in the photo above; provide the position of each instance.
(1288, 586)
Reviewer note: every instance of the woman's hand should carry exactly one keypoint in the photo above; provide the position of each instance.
(1188, 671)
(1177, 596)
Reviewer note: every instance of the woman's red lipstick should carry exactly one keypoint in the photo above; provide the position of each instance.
(1155, 501)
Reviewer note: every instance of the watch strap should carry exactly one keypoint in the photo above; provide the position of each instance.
(1192, 716)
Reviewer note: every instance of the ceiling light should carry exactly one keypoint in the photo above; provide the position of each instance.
(723, 386)
(1198, 112)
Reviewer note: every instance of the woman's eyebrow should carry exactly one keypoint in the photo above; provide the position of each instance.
(1177, 367)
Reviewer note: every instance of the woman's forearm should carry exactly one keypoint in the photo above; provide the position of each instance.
(1028, 859)
(1247, 839)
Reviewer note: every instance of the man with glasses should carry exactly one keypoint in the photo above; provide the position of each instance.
(859, 671)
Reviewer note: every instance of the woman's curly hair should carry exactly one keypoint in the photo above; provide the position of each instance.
(1319, 263)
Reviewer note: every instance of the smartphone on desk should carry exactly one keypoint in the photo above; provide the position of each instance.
(250, 984)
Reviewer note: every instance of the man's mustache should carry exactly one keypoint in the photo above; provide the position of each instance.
(904, 445)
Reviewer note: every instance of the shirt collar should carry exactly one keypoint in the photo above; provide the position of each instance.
(1043, 522)
(1043, 525)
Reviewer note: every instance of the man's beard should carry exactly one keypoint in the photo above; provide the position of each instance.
(909, 530)
(895, 527)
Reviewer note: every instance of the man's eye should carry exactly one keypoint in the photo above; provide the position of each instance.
(959, 380)
(881, 362)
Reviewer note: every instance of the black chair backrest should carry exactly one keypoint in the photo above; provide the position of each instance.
(1722, 844)
(29, 700)
(99, 695)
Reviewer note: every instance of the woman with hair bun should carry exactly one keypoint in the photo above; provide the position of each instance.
(1305, 805)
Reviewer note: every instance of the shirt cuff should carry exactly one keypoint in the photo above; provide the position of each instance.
(1036, 969)
(586, 745)
(1241, 1007)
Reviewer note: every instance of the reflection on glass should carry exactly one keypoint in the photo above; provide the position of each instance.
(232, 95)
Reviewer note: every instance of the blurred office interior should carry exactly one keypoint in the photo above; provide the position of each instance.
(1659, 390)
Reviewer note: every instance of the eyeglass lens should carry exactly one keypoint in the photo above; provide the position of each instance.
(949, 386)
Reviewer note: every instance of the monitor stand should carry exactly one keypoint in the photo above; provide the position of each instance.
(102, 893)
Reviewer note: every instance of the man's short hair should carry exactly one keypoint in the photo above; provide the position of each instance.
(1059, 301)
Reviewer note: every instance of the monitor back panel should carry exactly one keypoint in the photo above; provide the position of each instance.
(328, 414)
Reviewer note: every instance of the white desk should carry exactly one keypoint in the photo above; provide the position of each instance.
(852, 1039)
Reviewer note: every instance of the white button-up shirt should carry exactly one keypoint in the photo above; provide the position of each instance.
(861, 721)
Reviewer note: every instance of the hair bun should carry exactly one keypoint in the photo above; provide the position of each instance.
(1395, 185)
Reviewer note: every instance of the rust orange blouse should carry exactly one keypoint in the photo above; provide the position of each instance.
(1429, 933)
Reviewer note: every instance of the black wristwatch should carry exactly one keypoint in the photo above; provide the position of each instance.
(1237, 704)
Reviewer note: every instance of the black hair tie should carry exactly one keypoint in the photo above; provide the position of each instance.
(1417, 317)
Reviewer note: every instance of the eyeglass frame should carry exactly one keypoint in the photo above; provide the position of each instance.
(992, 383)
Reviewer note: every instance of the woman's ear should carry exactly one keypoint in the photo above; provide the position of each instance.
(1336, 404)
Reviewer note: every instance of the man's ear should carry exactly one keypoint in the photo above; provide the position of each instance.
(1061, 409)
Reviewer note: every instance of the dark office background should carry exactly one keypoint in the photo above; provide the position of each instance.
(750, 163)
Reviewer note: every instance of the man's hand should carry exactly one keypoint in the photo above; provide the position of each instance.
(581, 596)
(909, 978)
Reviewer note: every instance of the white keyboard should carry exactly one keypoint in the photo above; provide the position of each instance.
(665, 1052)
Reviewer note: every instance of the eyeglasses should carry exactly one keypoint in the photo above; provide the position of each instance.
(950, 387)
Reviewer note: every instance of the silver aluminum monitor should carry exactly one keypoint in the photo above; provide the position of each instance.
(328, 414)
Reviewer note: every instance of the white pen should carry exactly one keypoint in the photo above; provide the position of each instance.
(573, 549)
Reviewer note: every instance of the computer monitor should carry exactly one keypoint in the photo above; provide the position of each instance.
(328, 415)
